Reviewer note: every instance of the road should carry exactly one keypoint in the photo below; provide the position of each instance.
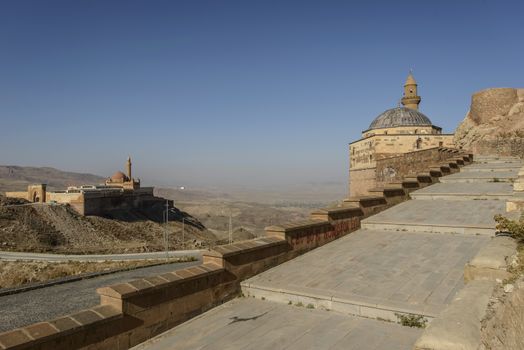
(38, 305)
(14, 256)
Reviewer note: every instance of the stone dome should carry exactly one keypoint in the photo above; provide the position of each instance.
(119, 177)
(400, 116)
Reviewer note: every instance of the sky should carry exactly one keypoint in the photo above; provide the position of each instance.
(236, 93)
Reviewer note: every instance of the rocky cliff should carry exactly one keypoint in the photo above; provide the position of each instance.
(494, 123)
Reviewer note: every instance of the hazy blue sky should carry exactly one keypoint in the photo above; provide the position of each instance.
(236, 92)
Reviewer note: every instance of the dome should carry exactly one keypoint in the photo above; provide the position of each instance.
(119, 177)
(400, 116)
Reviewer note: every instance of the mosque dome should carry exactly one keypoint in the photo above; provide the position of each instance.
(400, 116)
(119, 177)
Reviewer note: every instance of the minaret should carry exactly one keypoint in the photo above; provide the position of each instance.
(411, 99)
(129, 168)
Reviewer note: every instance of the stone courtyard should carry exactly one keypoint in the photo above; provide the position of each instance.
(348, 294)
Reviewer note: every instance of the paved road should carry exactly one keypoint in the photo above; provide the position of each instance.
(38, 305)
(13, 256)
(255, 324)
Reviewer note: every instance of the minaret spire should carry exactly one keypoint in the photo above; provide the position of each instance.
(129, 168)
(410, 98)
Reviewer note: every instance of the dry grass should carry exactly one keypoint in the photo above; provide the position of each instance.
(18, 273)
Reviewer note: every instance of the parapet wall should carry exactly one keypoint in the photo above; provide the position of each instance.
(410, 164)
(130, 313)
(389, 168)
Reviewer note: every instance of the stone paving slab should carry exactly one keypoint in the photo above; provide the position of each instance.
(247, 323)
(373, 274)
(481, 176)
(439, 216)
(462, 191)
(487, 167)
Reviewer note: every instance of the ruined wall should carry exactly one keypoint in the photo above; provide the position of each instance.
(494, 124)
(510, 145)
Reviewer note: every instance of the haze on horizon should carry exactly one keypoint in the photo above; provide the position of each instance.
(235, 93)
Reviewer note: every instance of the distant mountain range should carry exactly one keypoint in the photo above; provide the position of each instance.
(16, 178)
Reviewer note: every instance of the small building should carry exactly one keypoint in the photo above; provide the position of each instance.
(394, 132)
(120, 192)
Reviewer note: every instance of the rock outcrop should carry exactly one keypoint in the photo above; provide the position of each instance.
(494, 123)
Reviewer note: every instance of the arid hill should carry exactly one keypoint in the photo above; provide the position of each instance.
(16, 178)
(58, 228)
(494, 123)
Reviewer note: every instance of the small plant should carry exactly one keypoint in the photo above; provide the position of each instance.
(299, 304)
(411, 320)
(263, 298)
(513, 227)
(496, 179)
(290, 302)
(310, 306)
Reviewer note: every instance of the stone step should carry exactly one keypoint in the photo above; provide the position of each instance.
(439, 216)
(491, 168)
(355, 306)
(481, 177)
(372, 274)
(465, 191)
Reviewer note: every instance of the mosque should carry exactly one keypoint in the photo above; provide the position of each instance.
(395, 132)
(119, 192)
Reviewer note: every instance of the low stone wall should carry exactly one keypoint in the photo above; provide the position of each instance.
(133, 312)
(410, 164)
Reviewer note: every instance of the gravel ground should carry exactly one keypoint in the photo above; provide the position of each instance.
(38, 305)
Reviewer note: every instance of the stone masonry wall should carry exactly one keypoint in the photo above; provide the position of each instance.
(408, 164)
(511, 146)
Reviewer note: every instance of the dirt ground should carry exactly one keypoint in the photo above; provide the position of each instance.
(18, 273)
(59, 229)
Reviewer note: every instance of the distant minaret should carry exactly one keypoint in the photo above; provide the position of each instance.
(129, 168)
(411, 99)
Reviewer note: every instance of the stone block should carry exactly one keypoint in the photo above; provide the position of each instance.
(41, 330)
(14, 338)
(492, 261)
(458, 326)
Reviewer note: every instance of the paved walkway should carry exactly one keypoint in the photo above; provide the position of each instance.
(407, 259)
(254, 324)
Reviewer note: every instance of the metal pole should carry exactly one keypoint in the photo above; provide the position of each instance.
(166, 237)
(183, 231)
(230, 227)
